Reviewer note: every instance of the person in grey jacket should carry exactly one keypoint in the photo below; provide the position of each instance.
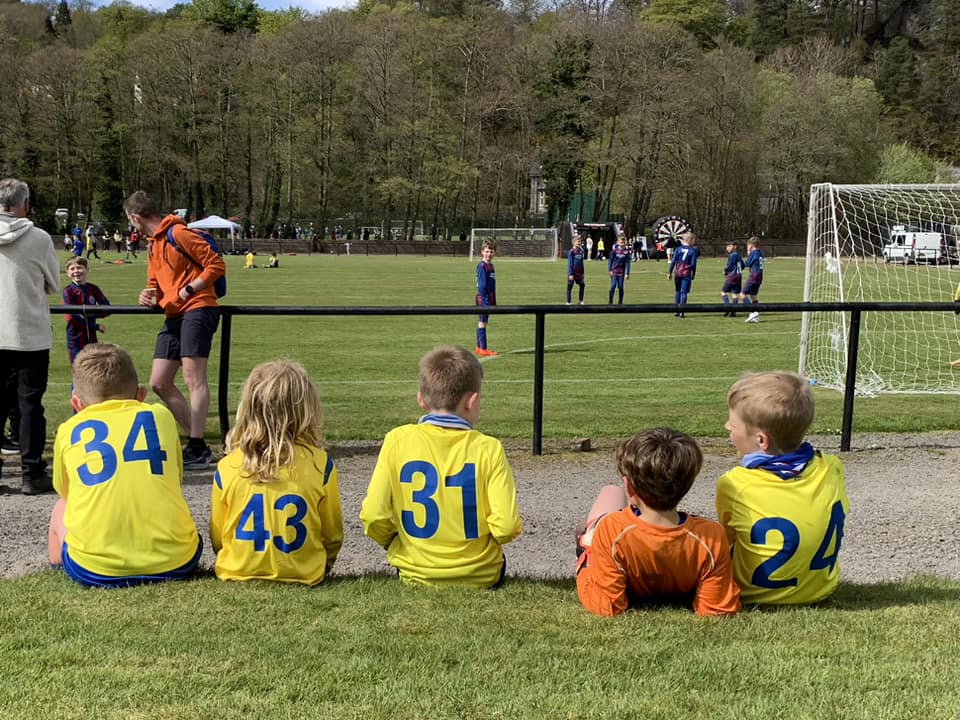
(29, 272)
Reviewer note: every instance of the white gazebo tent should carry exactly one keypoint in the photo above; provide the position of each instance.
(215, 222)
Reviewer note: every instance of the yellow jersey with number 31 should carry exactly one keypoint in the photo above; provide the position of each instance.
(785, 534)
(442, 500)
(118, 466)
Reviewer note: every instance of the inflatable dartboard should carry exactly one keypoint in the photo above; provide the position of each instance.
(668, 229)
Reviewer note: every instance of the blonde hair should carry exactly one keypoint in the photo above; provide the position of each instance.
(104, 371)
(660, 465)
(778, 403)
(754, 241)
(689, 238)
(447, 374)
(279, 410)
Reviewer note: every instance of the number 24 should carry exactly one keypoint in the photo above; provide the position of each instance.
(791, 541)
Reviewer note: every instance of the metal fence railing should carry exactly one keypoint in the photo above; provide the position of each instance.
(540, 312)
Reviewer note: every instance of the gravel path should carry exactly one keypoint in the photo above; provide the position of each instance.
(904, 495)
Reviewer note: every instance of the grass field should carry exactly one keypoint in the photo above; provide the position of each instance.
(605, 375)
(371, 649)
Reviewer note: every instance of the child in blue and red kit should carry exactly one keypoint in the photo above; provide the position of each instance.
(618, 265)
(754, 266)
(486, 293)
(732, 277)
(683, 268)
(575, 268)
(81, 327)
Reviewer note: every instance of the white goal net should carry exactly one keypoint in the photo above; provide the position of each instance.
(883, 243)
(517, 242)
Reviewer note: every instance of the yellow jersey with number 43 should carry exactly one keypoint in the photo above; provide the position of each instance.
(441, 501)
(288, 530)
(118, 466)
(785, 534)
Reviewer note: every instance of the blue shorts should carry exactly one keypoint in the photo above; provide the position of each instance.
(481, 303)
(92, 579)
(751, 289)
(732, 285)
(187, 335)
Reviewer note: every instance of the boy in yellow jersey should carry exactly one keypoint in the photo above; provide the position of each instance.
(784, 507)
(443, 499)
(121, 519)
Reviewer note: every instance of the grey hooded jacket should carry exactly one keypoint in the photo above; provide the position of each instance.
(29, 272)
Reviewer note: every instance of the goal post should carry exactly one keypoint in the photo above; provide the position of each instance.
(527, 242)
(883, 243)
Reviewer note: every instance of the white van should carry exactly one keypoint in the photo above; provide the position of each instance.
(908, 246)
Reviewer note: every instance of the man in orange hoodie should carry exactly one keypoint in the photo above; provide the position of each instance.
(180, 278)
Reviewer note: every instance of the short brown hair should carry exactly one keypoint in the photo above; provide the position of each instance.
(141, 204)
(104, 371)
(77, 260)
(778, 403)
(492, 244)
(447, 374)
(660, 464)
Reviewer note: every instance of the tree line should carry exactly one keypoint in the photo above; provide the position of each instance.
(439, 111)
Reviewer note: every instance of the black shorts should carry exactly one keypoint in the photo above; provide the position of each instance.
(187, 335)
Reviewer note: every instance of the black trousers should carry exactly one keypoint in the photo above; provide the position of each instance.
(32, 368)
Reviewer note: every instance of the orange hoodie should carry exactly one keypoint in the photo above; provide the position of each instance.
(168, 270)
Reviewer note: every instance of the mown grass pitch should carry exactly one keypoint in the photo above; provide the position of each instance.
(605, 375)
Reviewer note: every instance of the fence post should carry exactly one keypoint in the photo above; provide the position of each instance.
(538, 385)
(850, 384)
(223, 411)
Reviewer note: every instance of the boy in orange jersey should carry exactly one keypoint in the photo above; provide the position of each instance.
(180, 278)
(639, 549)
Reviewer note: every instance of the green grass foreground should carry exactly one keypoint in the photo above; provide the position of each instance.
(605, 375)
(371, 648)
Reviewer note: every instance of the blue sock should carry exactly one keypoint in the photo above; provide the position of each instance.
(676, 298)
(683, 298)
(482, 338)
(726, 300)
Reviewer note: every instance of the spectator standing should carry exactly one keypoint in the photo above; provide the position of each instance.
(29, 272)
(180, 277)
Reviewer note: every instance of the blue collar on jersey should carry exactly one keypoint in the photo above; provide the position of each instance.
(453, 422)
(786, 466)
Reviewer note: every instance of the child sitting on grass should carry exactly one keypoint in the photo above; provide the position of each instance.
(121, 519)
(443, 499)
(637, 547)
(784, 507)
(275, 507)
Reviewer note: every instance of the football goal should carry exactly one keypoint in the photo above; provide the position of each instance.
(883, 243)
(517, 242)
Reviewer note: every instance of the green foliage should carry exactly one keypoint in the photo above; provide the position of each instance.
(704, 19)
(373, 648)
(274, 21)
(900, 163)
(563, 122)
(228, 16)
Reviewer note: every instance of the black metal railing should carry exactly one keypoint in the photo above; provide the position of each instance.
(856, 310)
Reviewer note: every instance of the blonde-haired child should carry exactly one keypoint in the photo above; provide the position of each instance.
(121, 519)
(275, 506)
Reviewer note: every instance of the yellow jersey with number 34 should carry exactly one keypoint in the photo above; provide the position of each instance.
(118, 466)
(442, 501)
(785, 534)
